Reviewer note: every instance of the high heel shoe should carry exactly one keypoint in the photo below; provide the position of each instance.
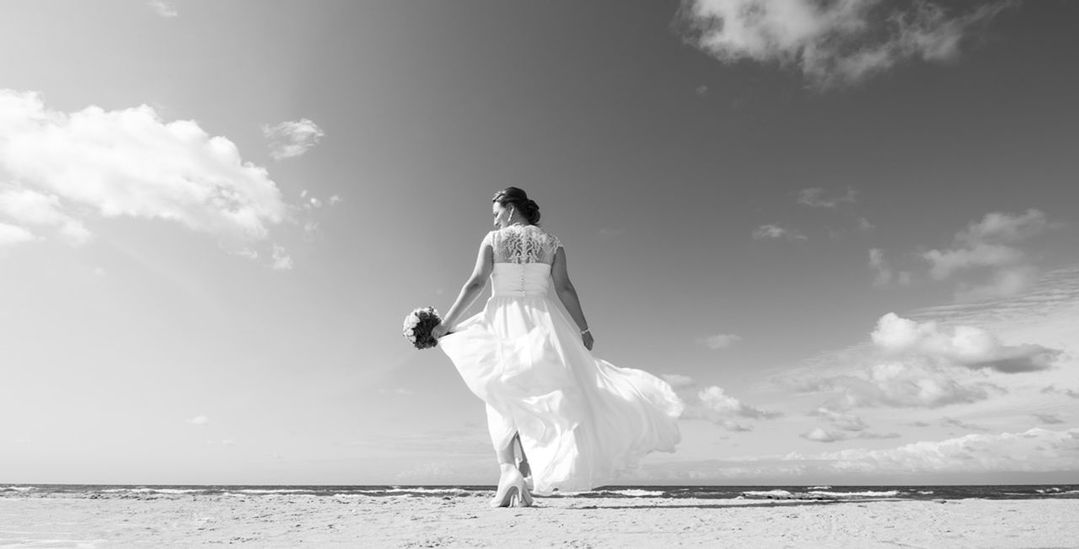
(512, 491)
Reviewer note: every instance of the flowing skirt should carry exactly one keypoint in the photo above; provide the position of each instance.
(581, 419)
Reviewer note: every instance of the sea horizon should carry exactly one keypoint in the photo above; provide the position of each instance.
(837, 492)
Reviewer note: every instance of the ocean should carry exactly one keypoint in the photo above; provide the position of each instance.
(843, 493)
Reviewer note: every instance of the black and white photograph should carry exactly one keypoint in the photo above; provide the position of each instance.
(539, 273)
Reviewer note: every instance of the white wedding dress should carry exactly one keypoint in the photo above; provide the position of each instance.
(581, 419)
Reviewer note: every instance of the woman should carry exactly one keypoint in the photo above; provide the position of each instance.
(577, 419)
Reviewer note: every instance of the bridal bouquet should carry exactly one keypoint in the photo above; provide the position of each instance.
(418, 326)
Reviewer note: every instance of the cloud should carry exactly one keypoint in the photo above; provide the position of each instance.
(911, 383)
(771, 231)
(679, 381)
(814, 197)
(825, 434)
(163, 8)
(33, 208)
(974, 456)
(701, 90)
(1052, 389)
(990, 246)
(292, 138)
(281, 260)
(199, 420)
(721, 341)
(1049, 419)
(1031, 451)
(830, 43)
(713, 404)
(715, 400)
(966, 346)
(841, 420)
(885, 275)
(12, 234)
(953, 422)
(335, 200)
(128, 163)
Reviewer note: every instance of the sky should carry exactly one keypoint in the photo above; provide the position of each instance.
(846, 233)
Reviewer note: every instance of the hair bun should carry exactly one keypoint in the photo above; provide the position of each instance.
(517, 197)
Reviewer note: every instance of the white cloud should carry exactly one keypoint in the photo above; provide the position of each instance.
(335, 199)
(967, 346)
(292, 138)
(1030, 451)
(713, 404)
(953, 422)
(130, 163)
(827, 434)
(721, 341)
(1049, 419)
(33, 208)
(716, 402)
(12, 234)
(814, 197)
(1053, 389)
(771, 231)
(885, 275)
(162, 8)
(841, 420)
(199, 420)
(990, 246)
(679, 381)
(831, 43)
(973, 456)
(281, 260)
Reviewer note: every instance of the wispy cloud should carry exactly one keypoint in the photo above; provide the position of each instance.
(1052, 389)
(292, 138)
(991, 245)
(162, 8)
(13, 234)
(960, 424)
(1033, 450)
(841, 426)
(831, 43)
(199, 420)
(816, 197)
(827, 434)
(885, 275)
(127, 163)
(774, 232)
(720, 341)
(281, 260)
(1049, 419)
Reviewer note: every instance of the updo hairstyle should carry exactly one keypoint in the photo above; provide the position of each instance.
(518, 199)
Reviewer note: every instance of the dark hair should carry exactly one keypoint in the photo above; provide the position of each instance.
(519, 199)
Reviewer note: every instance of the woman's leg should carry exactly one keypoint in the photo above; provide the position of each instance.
(522, 463)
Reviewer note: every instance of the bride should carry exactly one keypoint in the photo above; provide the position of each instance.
(559, 418)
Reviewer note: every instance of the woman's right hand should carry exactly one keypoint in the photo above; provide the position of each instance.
(587, 339)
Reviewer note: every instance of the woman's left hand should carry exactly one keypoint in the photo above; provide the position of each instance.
(438, 331)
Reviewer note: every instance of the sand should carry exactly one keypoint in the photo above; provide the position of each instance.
(283, 520)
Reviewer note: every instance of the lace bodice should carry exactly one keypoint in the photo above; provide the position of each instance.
(523, 244)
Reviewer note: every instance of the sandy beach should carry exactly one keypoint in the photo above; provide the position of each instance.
(281, 520)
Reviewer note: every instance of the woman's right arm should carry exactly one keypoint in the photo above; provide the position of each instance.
(568, 294)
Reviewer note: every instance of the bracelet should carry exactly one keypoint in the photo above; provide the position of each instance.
(585, 331)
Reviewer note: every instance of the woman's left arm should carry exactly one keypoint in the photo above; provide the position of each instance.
(472, 288)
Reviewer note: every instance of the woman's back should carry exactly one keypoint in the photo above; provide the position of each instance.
(523, 244)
